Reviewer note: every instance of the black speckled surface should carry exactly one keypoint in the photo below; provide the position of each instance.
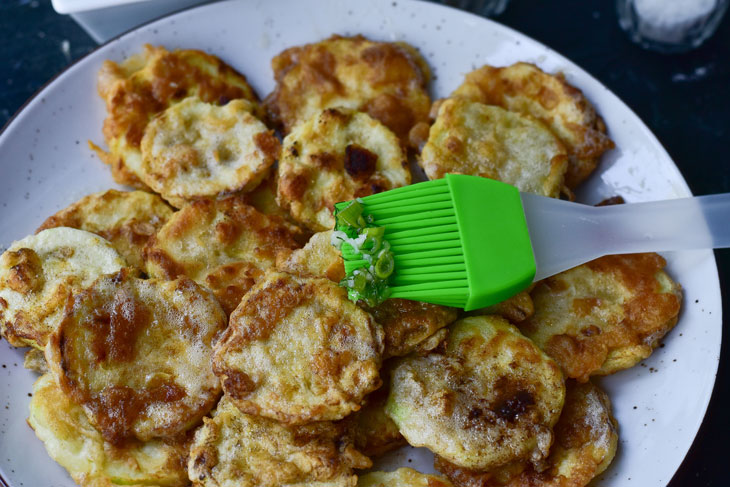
(684, 99)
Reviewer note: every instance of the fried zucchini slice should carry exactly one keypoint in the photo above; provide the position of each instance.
(526, 89)
(407, 324)
(263, 198)
(235, 449)
(489, 141)
(224, 245)
(39, 273)
(586, 437)
(297, 350)
(516, 309)
(78, 447)
(403, 477)
(491, 398)
(197, 150)
(34, 360)
(337, 155)
(373, 431)
(146, 84)
(127, 219)
(137, 355)
(606, 315)
(318, 258)
(384, 79)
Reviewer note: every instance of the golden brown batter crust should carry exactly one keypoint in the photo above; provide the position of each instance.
(586, 437)
(373, 431)
(225, 245)
(407, 324)
(196, 150)
(386, 80)
(472, 138)
(145, 85)
(525, 88)
(489, 398)
(516, 309)
(297, 350)
(137, 355)
(337, 155)
(403, 477)
(234, 448)
(40, 272)
(127, 219)
(77, 446)
(604, 316)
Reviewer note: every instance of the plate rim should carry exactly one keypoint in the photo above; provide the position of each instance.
(48, 85)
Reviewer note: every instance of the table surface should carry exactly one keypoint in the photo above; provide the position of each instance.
(684, 99)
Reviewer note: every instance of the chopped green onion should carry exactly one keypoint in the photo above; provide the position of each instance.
(373, 237)
(351, 215)
(367, 281)
(359, 282)
(384, 265)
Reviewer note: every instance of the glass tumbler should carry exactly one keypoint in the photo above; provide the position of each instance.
(670, 25)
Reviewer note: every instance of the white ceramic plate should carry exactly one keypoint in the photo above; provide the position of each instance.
(45, 164)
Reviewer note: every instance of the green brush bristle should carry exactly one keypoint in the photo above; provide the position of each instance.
(421, 227)
(459, 241)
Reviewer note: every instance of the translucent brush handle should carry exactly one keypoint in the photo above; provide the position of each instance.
(566, 234)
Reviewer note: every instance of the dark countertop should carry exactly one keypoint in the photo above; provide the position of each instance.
(684, 99)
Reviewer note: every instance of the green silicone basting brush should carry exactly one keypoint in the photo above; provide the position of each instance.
(470, 242)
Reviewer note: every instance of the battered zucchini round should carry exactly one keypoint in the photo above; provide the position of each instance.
(524, 88)
(491, 398)
(77, 446)
(586, 437)
(137, 355)
(39, 273)
(604, 316)
(297, 350)
(127, 219)
(403, 477)
(318, 258)
(224, 245)
(234, 449)
(384, 79)
(148, 83)
(263, 198)
(489, 141)
(373, 431)
(35, 360)
(337, 155)
(408, 325)
(516, 309)
(197, 150)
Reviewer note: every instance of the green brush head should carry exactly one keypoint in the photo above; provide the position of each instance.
(460, 241)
